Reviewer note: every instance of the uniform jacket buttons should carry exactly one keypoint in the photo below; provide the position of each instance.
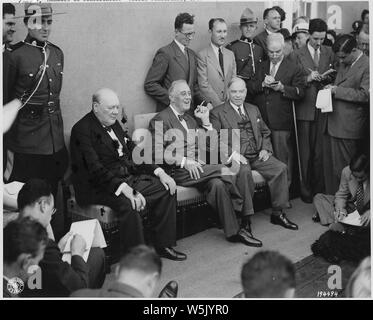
(31, 74)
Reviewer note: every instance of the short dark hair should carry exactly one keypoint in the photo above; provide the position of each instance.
(359, 163)
(267, 274)
(332, 33)
(183, 18)
(141, 258)
(344, 43)
(23, 236)
(213, 20)
(281, 12)
(364, 13)
(317, 25)
(8, 8)
(32, 191)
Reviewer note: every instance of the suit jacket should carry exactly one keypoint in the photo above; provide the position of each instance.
(350, 116)
(276, 107)
(261, 40)
(306, 107)
(223, 117)
(170, 64)
(96, 165)
(174, 135)
(347, 190)
(115, 289)
(212, 83)
(60, 279)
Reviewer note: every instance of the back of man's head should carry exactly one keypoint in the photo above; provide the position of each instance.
(140, 268)
(268, 274)
(24, 242)
(8, 8)
(31, 192)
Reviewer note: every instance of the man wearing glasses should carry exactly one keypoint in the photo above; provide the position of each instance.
(174, 62)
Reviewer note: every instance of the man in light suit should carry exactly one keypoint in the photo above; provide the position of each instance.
(347, 127)
(176, 146)
(174, 62)
(255, 146)
(216, 65)
(272, 24)
(314, 59)
(279, 81)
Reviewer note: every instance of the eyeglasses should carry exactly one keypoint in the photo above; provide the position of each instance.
(188, 34)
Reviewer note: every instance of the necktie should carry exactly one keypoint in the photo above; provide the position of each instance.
(181, 117)
(242, 114)
(186, 54)
(221, 61)
(316, 58)
(360, 197)
(272, 72)
(108, 128)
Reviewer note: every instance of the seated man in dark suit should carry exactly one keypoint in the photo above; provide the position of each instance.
(59, 279)
(136, 276)
(228, 190)
(24, 242)
(255, 148)
(104, 173)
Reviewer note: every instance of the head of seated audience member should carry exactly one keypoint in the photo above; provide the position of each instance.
(346, 50)
(180, 96)
(237, 91)
(35, 200)
(363, 42)
(105, 106)
(317, 30)
(24, 242)
(184, 28)
(360, 282)
(268, 274)
(218, 31)
(359, 166)
(141, 269)
(275, 45)
(272, 19)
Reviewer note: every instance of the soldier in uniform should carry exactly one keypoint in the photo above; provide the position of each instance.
(36, 147)
(247, 54)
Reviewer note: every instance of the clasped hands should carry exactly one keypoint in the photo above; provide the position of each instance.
(270, 82)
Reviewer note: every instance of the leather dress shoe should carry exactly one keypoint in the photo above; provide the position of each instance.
(172, 254)
(316, 217)
(282, 220)
(246, 237)
(170, 290)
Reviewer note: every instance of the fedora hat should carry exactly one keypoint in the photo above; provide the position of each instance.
(301, 27)
(38, 10)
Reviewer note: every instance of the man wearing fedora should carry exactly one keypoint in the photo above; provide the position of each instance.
(247, 54)
(34, 73)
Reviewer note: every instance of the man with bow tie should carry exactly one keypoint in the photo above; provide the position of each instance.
(177, 142)
(103, 172)
(255, 146)
(247, 54)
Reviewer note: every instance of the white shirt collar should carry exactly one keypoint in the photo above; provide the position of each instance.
(269, 31)
(312, 50)
(175, 112)
(181, 46)
(236, 107)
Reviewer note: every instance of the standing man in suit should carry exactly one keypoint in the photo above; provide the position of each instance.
(255, 146)
(247, 54)
(216, 65)
(228, 191)
(272, 24)
(347, 126)
(279, 82)
(103, 172)
(175, 61)
(314, 59)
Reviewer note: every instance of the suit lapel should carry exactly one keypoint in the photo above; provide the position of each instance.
(225, 61)
(282, 69)
(213, 59)
(180, 57)
(230, 116)
(307, 57)
(191, 68)
(253, 120)
(349, 71)
(174, 121)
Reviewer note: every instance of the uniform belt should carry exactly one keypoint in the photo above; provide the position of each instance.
(35, 109)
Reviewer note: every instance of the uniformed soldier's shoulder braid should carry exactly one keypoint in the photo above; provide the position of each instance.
(16, 46)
